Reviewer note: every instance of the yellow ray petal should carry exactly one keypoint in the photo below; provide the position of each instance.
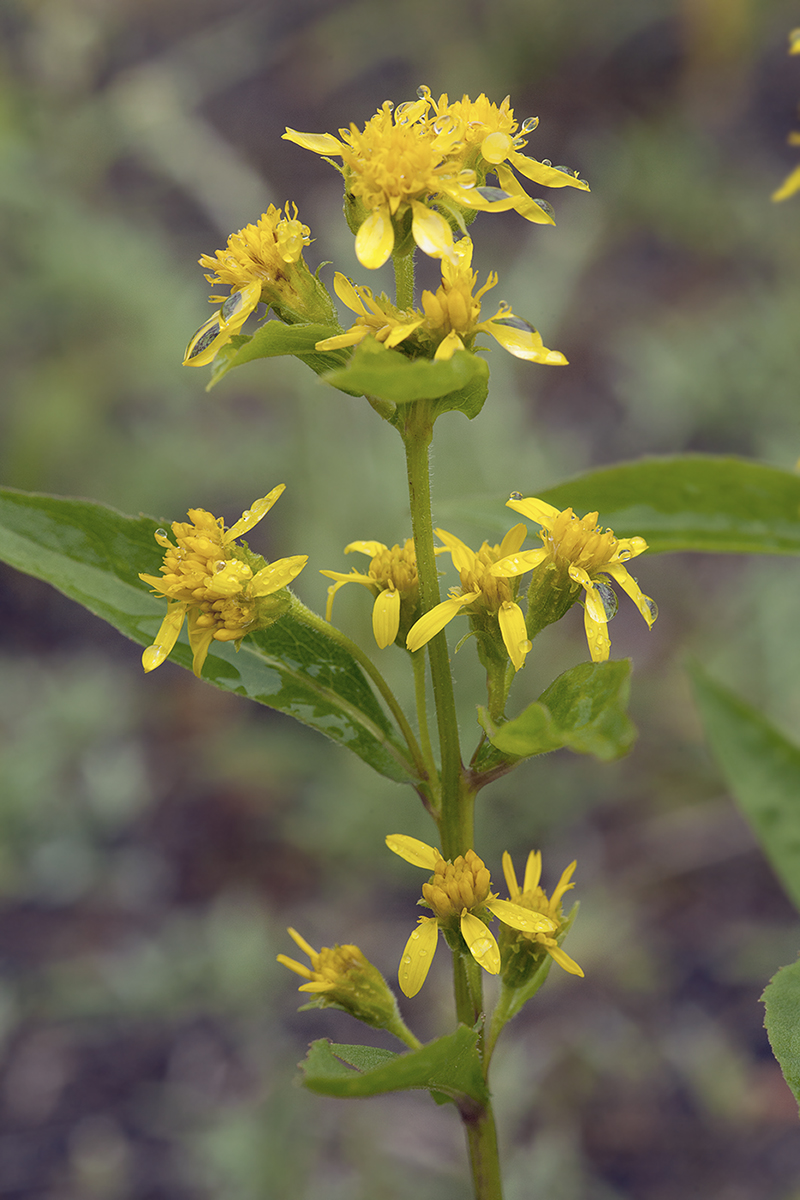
(420, 854)
(564, 960)
(276, 575)
(520, 918)
(535, 510)
(518, 564)
(515, 635)
(375, 239)
(417, 956)
(320, 143)
(434, 621)
(464, 559)
(481, 941)
(431, 232)
(252, 515)
(386, 617)
(165, 639)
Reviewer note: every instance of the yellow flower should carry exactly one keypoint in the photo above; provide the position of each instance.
(342, 977)
(392, 579)
(491, 144)
(576, 547)
(519, 946)
(395, 170)
(485, 596)
(460, 896)
(791, 184)
(452, 315)
(376, 316)
(262, 262)
(221, 594)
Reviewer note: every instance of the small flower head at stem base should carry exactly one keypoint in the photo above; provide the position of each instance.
(576, 553)
(523, 951)
(342, 977)
(459, 895)
(219, 587)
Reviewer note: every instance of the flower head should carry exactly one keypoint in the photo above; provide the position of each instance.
(223, 589)
(342, 977)
(522, 951)
(399, 171)
(576, 548)
(374, 315)
(484, 595)
(460, 897)
(262, 262)
(491, 141)
(392, 579)
(791, 184)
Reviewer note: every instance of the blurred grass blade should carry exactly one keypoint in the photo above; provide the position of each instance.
(762, 769)
(93, 554)
(693, 502)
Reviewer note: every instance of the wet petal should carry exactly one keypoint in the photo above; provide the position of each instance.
(165, 639)
(434, 621)
(320, 143)
(596, 636)
(418, 956)
(348, 294)
(518, 917)
(533, 871)
(539, 172)
(253, 515)
(375, 239)
(370, 548)
(481, 941)
(535, 510)
(203, 347)
(645, 605)
(523, 341)
(386, 617)
(276, 575)
(564, 960)
(447, 348)
(515, 635)
(518, 564)
(464, 559)
(431, 232)
(351, 338)
(420, 854)
(525, 205)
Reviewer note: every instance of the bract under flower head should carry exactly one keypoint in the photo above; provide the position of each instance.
(520, 945)
(392, 579)
(402, 168)
(212, 582)
(492, 607)
(460, 896)
(589, 556)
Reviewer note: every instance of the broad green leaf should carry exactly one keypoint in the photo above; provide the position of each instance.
(451, 1065)
(782, 1020)
(389, 375)
(273, 339)
(583, 710)
(762, 769)
(93, 554)
(696, 502)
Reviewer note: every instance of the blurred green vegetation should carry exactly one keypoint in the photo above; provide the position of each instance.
(157, 837)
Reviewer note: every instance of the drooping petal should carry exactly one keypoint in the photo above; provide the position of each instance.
(320, 143)
(351, 338)
(420, 854)
(539, 172)
(535, 510)
(520, 338)
(239, 305)
(518, 564)
(525, 205)
(203, 346)
(481, 942)
(276, 575)
(348, 294)
(645, 605)
(252, 515)
(464, 559)
(399, 333)
(564, 960)
(370, 548)
(515, 636)
(520, 918)
(417, 956)
(375, 239)
(386, 617)
(165, 639)
(596, 636)
(434, 621)
(431, 232)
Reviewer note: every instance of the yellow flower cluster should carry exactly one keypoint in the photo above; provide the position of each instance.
(791, 184)
(210, 581)
(392, 579)
(419, 169)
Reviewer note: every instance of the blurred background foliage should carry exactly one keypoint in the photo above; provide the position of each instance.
(156, 837)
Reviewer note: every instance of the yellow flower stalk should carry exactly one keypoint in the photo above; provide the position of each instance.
(222, 589)
(578, 550)
(262, 262)
(491, 142)
(460, 896)
(398, 172)
(342, 977)
(522, 950)
(791, 184)
(392, 579)
(485, 596)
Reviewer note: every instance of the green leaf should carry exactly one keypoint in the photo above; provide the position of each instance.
(459, 382)
(696, 502)
(93, 554)
(273, 339)
(583, 710)
(782, 1020)
(450, 1065)
(762, 769)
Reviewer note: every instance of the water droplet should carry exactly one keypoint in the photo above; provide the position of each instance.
(548, 208)
(466, 178)
(401, 112)
(388, 105)
(564, 170)
(515, 496)
(529, 124)
(161, 533)
(624, 555)
(407, 960)
(546, 162)
(423, 92)
(653, 607)
(423, 953)
(608, 599)
(219, 566)
(583, 181)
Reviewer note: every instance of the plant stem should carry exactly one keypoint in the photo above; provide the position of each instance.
(418, 664)
(404, 280)
(483, 1156)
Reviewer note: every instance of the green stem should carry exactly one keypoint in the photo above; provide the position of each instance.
(404, 280)
(483, 1156)
(418, 664)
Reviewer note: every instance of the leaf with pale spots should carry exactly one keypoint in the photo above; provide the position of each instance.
(449, 1066)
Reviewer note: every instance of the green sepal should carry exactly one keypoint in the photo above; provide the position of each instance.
(93, 554)
(692, 502)
(584, 710)
(273, 339)
(460, 382)
(782, 1021)
(450, 1066)
(762, 769)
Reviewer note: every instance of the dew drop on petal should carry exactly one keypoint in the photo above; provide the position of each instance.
(529, 124)
(543, 204)
(406, 960)
(652, 606)
(219, 566)
(564, 170)
(546, 162)
(161, 533)
(515, 496)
